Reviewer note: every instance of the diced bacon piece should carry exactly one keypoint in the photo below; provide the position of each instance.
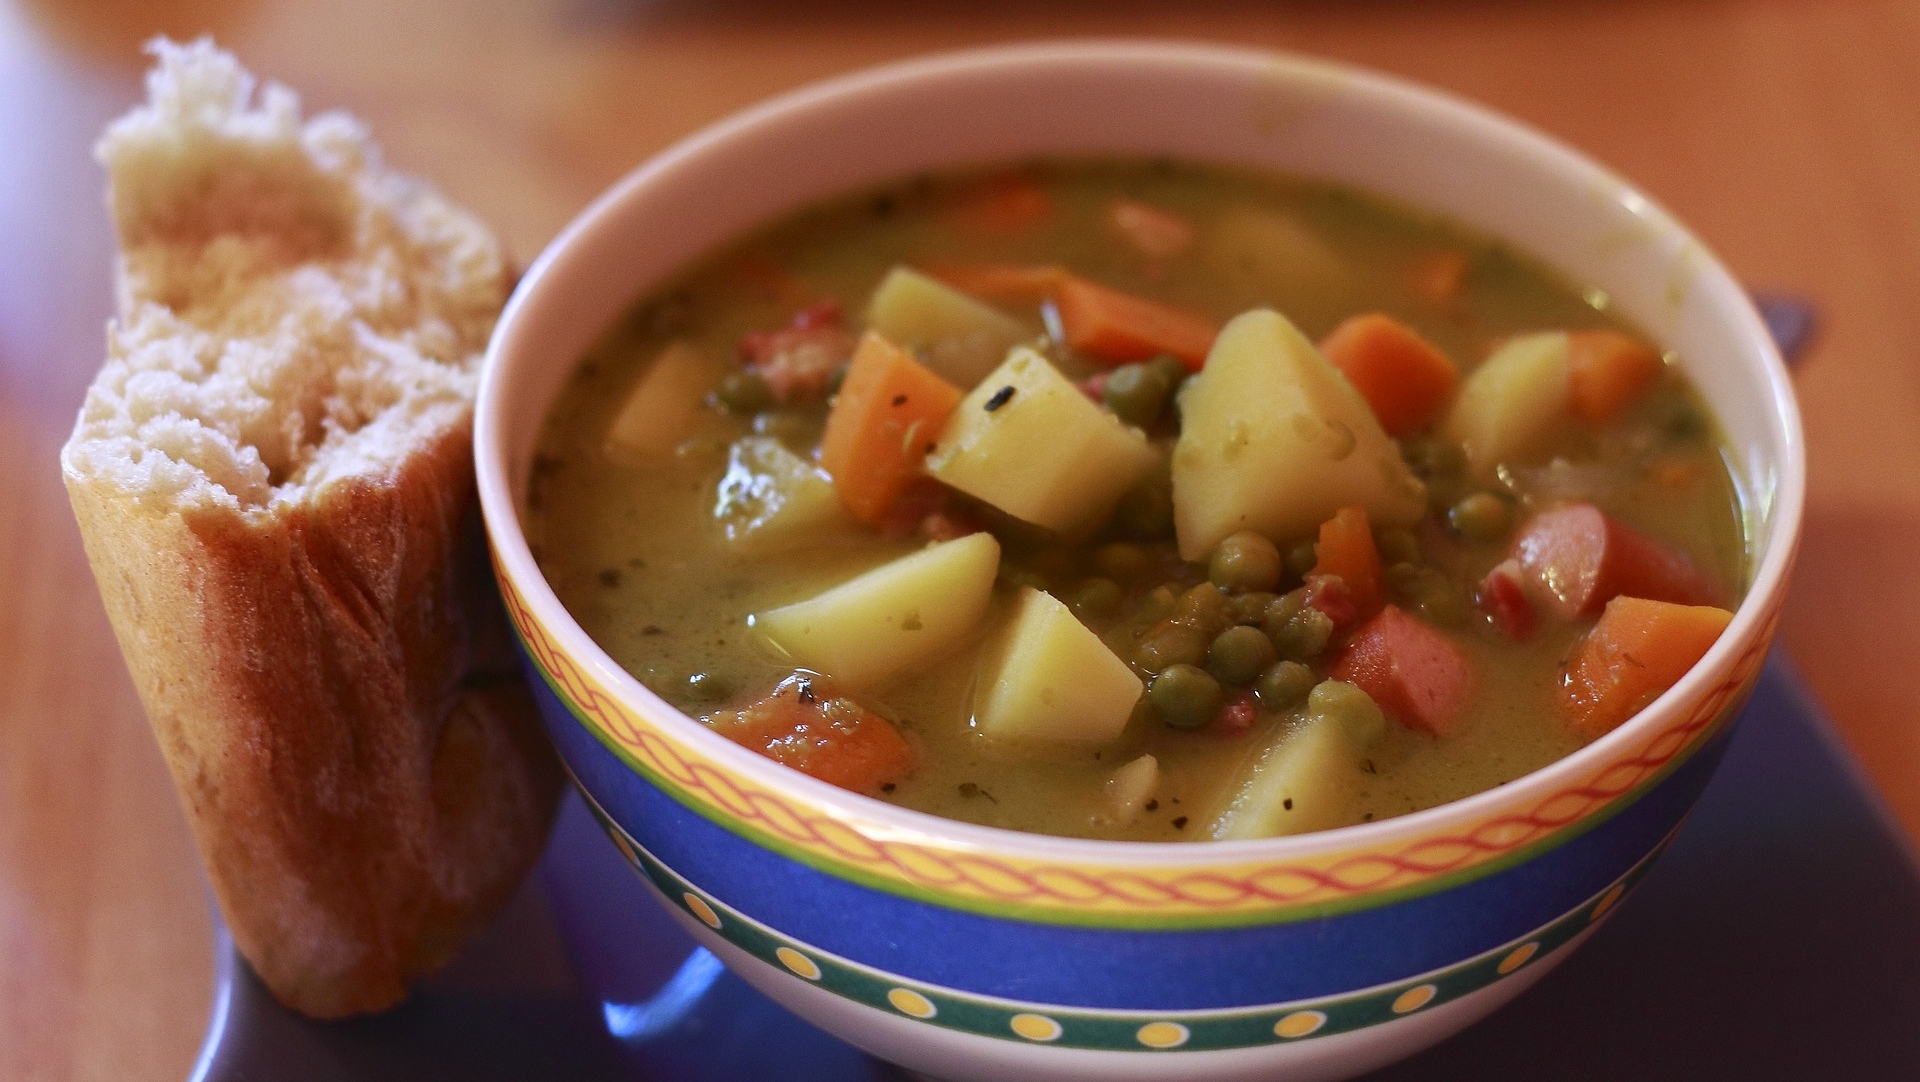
(802, 725)
(1504, 600)
(1419, 677)
(1331, 595)
(1574, 559)
(1236, 716)
(798, 360)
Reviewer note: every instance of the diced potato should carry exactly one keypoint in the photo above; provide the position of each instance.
(959, 337)
(1306, 781)
(1048, 677)
(898, 616)
(1267, 257)
(1511, 403)
(1130, 787)
(663, 408)
(772, 500)
(1275, 440)
(1027, 441)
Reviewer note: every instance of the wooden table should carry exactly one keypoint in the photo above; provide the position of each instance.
(1782, 131)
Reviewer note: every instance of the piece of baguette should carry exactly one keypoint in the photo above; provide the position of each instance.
(274, 478)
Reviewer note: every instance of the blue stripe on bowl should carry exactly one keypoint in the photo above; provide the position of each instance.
(1127, 968)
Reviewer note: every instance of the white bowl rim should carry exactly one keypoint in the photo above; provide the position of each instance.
(878, 819)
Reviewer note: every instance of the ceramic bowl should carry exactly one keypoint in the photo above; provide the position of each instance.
(973, 953)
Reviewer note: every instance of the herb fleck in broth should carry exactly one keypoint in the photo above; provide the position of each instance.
(636, 554)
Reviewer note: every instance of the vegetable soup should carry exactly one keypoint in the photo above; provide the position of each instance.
(1138, 500)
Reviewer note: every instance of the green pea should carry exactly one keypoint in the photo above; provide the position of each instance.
(1245, 561)
(1301, 558)
(1304, 636)
(1480, 516)
(1283, 684)
(1174, 644)
(1353, 709)
(1156, 604)
(1282, 609)
(744, 392)
(1123, 561)
(1186, 697)
(1205, 607)
(1239, 654)
(1137, 393)
(1398, 546)
(1440, 603)
(1430, 458)
(1094, 598)
(1251, 608)
(1146, 511)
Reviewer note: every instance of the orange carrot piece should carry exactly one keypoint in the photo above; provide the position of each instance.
(1439, 276)
(1405, 378)
(1606, 372)
(1115, 326)
(1154, 233)
(1638, 650)
(803, 725)
(1346, 549)
(886, 418)
(1032, 283)
(1008, 203)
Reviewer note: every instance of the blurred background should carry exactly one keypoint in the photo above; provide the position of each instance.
(1782, 131)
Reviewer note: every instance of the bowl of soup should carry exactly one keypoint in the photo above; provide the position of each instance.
(1133, 560)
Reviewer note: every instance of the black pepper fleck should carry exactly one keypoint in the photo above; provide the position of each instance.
(899, 400)
(1153, 805)
(886, 787)
(653, 629)
(1000, 398)
(609, 577)
(1367, 818)
(805, 687)
(1180, 822)
(1287, 804)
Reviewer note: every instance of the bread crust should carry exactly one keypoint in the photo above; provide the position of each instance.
(327, 670)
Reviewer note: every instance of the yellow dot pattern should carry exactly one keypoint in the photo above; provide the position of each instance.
(1521, 956)
(1035, 1027)
(698, 907)
(1299, 1024)
(911, 1003)
(1162, 1035)
(1607, 901)
(799, 963)
(1413, 999)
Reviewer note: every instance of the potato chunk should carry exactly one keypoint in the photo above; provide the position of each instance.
(1275, 440)
(959, 337)
(1027, 441)
(1512, 402)
(772, 500)
(895, 617)
(1310, 778)
(1048, 677)
(663, 407)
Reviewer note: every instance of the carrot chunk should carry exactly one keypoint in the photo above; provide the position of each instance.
(1008, 203)
(1116, 326)
(1606, 372)
(1574, 559)
(1439, 276)
(888, 415)
(1404, 377)
(1154, 233)
(1419, 677)
(1638, 650)
(832, 738)
(1346, 550)
(1000, 281)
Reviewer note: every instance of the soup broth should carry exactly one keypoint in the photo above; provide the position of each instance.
(634, 538)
